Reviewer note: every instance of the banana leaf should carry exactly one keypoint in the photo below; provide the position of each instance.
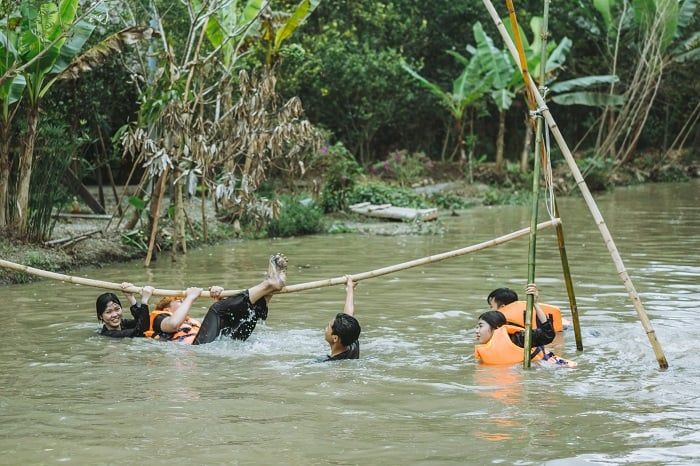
(589, 99)
(299, 15)
(580, 83)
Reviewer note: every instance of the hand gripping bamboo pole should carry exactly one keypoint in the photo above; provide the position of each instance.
(291, 288)
(590, 202)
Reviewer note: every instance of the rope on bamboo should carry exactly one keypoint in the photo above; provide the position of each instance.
(291, 288)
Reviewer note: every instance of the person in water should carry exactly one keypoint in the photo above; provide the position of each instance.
(492, 320)
(501, 297)
(110, 313)
(343, 331)
(235, 316)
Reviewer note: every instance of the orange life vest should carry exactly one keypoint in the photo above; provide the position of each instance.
(501, 350)
(515, 314)
(186, 333)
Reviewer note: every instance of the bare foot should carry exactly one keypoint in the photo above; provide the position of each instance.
(277, 271)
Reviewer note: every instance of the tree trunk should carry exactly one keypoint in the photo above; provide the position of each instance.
(25, 170)
(500, 140)
(5, 133)
(525, 154)
(158, 192)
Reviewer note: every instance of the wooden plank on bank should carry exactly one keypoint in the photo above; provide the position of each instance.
(389, 212)
(84, 216)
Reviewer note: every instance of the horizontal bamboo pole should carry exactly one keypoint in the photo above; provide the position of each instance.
(587, 196)
(287, 289)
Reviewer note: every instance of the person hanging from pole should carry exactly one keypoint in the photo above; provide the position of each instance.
(498, 342)
(235, 317)
(343, 331)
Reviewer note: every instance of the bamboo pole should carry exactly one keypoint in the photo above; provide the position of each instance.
(532, 243)
(590, 202)
(288, 289)
(569, 284)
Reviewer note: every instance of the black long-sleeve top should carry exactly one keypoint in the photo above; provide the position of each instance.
(540, 336)
(131, 327)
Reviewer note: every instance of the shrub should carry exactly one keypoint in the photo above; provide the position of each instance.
(403, 167)
(383, 193)
(296, 217)
(339, 178)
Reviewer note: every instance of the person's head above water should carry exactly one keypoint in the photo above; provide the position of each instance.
(169, 303)
(344, 328)
(501, 297)
(109, 310)
(488, 322)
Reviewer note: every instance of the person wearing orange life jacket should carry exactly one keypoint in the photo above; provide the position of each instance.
(506, 301)
(499, 343)
(235, 316)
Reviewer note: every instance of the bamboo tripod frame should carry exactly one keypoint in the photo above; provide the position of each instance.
(590, 202)
(292, 288)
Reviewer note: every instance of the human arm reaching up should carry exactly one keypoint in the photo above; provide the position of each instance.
(171, 323)
(349, 296)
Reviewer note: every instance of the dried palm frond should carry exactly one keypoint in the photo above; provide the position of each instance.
(100, 52)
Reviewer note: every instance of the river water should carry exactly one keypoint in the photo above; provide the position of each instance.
(69, 396)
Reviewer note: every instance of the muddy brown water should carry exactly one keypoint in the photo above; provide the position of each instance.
(69, 396)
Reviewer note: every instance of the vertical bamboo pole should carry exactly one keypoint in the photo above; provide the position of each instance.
(532, 247)
(590, 202)
(569, 284)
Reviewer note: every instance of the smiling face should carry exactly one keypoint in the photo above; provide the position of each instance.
(112, 316)
(483, 332)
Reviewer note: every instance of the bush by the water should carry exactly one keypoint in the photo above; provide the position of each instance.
(383, 193)
(339, 178)
(297, 216)
(402, 166)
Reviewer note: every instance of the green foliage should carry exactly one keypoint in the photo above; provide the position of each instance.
(339, 178)
(596, 171)
(501, 196)
(297, 217)
(449, 201)
(53, 154)
(403, 167)
(382, 193)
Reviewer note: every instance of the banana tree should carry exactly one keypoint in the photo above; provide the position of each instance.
(572, 92)
(45, 44)
(502, 91)
(468, 89)
(11, 91)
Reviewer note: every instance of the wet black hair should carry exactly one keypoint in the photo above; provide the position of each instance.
(495, 319)
(103, 300)
(347, 328)
(502, 296)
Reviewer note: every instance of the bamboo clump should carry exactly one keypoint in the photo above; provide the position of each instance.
(590, 202)
(288, 289)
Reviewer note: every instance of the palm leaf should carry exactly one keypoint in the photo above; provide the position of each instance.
(590, 99)
(444, 97)
(604, 7)
(301, 12)
(580, 83)
(558, 56)
(100, 52)
(11, 90)
(686, 15)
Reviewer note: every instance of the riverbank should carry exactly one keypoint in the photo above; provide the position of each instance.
(452, 195)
